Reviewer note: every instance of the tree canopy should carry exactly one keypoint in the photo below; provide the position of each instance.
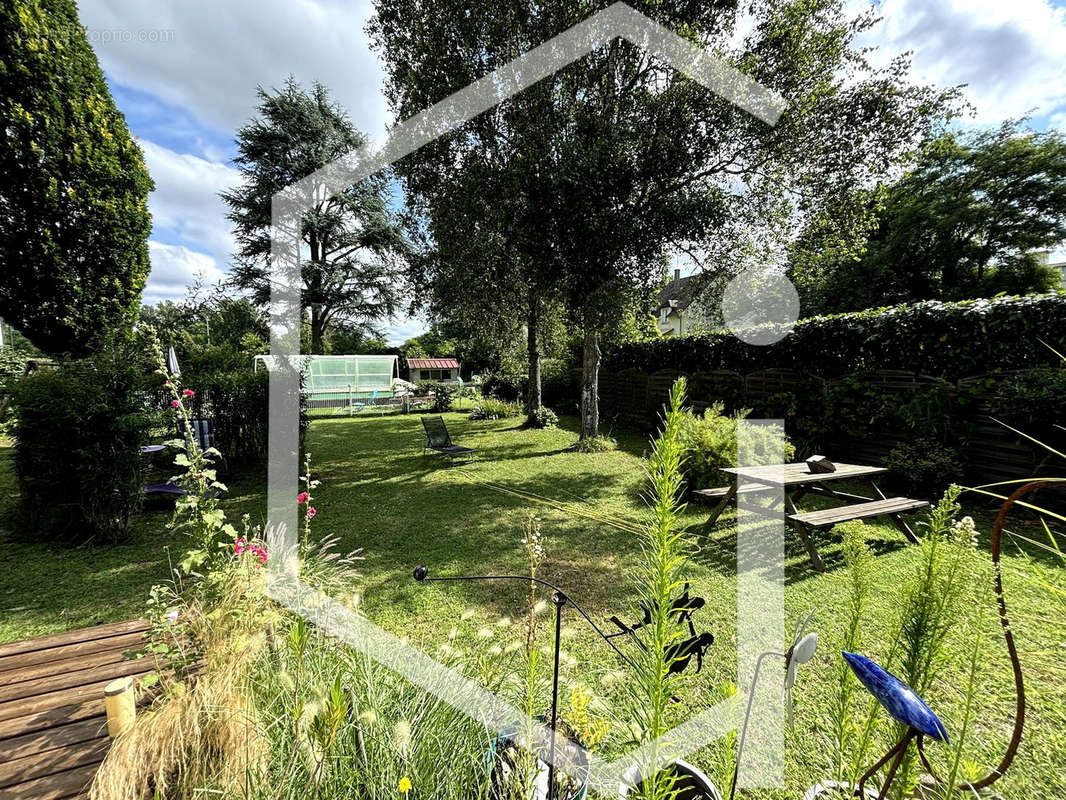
(74, 219)
(966, 220)
(354, 241)
(593, 175)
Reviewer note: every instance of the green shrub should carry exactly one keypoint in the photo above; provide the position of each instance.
(505, 384)
(595, 444)
(1036, 395)
(950, 340)
(425, 388)
(542, 417)
(494, 408)
(925, 467)
(443, 397)
(710, 445)
(78, 432)
(237, 403)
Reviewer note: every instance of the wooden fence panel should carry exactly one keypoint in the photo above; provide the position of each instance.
(718, 386)
(658, 394)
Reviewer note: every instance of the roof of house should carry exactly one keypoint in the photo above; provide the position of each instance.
(432, 363)
(678, 293)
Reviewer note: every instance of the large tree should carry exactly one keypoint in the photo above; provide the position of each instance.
(966, 220)
(74, 219)
(353, 242)
(598, 171)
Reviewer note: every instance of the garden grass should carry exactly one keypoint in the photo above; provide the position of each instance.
(403, 508)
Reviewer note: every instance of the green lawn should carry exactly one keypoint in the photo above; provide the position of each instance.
(379, 493)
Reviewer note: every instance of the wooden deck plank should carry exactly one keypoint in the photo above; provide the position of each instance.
(42, 765)
(62, 785)
(53, 730)
(127, 641)
(60, 666)
(53, 738)
(31, 706)
(41, 687)
(86, 708)
(69, 637)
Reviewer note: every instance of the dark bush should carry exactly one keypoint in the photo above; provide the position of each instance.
(443, 397)
(494, 408)
(1032, 396)
(542, 417)
(948, 340)
(237, 403)
(78, 430)
(508, 386)
(924, 468)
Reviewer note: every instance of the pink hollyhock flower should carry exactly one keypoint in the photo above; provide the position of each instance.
(261, 553)
(240, 546)
(188, 392)
(175, 403)
(301, 498)
(311, 512)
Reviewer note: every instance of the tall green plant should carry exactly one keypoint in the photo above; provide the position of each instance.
(75, 223)
(659, 576)
(858, 560)
(935, 600)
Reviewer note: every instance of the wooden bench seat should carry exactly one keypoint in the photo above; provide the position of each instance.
(719, 492)
(828, 517)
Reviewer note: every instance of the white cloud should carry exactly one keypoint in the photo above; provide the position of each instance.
(404, 328)
(210, 56)
(1011, 54)
(185, 202)
(174, 268)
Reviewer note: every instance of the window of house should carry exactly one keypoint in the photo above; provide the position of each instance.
(445, 374)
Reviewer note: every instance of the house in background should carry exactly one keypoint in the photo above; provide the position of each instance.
(678, 312)
(445, 370)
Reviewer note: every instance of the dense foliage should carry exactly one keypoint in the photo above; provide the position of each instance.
(74, 219)
(967, 220)
(572, 185)
(494, 408)
(354, 241)
(237, 403)
(710, 442)
(950, 340)
(78, 430)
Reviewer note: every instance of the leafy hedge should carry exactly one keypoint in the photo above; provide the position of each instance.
(78, 432)
(949, 340)
(238, 405)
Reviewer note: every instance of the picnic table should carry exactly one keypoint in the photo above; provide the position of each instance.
(797, 480)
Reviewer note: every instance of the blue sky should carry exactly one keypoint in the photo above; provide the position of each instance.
(185, 74)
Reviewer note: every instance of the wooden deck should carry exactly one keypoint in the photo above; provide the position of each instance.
(53, 732)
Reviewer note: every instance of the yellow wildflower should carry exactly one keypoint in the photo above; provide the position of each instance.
(405, 785)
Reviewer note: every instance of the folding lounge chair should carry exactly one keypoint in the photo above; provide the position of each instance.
(438, 438)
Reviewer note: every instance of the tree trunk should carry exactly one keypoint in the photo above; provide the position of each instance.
(590, 385)
(534, 398)
(318, 331)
